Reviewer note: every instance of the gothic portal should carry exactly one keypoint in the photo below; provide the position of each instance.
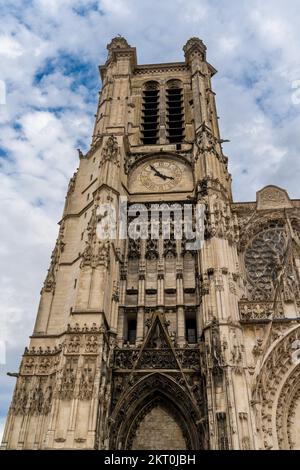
(142, 342)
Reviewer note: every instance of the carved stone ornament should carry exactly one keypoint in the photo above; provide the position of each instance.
(194, 44)
(219, 222)
(110, 152)
(273, 197)
(276, 392)
(96, 252)
(216, 356)
(157, 352)
(119, 42)
(255, 311)
(151, 249)
(33, 396)
(268, 261)
(49, 284)
(208, 144)
(71, 185)
(86, 383)
(67, 386)
(134, 248)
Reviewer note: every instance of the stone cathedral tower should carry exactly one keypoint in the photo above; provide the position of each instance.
(142, 343)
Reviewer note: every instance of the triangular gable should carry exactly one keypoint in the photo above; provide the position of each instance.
(157, 350)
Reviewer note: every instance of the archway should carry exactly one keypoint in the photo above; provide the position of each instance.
(157, 427)
(277, 397)
(288, 412)
(156, 404)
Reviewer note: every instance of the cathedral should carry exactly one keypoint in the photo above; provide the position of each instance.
(148, 342)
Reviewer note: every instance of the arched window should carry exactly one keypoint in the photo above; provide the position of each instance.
(150, 113)
(175, 113)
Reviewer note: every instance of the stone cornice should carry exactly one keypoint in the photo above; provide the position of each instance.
(160, 68)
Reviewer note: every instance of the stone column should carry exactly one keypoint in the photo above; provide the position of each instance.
(140, 325)
(180, 311)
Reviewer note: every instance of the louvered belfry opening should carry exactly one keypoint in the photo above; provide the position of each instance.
(175, 113)
(150, 113)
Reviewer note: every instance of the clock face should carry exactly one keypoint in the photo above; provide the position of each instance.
(160, 175)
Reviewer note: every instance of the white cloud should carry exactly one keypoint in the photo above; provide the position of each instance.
(10, 47)
(117, 7)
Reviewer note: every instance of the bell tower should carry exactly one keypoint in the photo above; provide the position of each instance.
(141, 339)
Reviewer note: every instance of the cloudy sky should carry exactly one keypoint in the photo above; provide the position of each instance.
(49, 53)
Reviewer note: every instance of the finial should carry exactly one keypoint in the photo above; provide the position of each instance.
(194, 45)
(80, 154)
(118, 42)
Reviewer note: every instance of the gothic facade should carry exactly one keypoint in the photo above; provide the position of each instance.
(139, 342)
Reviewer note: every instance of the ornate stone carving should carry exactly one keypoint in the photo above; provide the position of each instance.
(33, 396)
(273, 197)
(73, 344)
(28, 366)
(157, 359)
(91, 344)
(40, 351)
(151, 249)
(236, 352)
(119, 42)
(45, 365)
(67, 387)
(255, 311)
(219, 222)
(110, 152)
(21, 396)
(257, 348)
(71, 186)
(96, 252)
(216, 357)
(207, 143)
(116, 292)
(267, 261)
(222, 431)
(194, 45)
(131, 160)
(170, 248)
(86, 383)
(134, 248)
(85, 328)
(49, 284)
(189, 358)
(278, 372)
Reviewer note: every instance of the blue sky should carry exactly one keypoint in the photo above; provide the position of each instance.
(49, 54)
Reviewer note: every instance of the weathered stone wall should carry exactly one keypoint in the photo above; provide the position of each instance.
(159, 431)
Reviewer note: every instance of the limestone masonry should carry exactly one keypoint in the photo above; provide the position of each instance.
(143, 343)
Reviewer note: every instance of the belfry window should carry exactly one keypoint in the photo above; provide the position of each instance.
(150, 113)
(175, 114)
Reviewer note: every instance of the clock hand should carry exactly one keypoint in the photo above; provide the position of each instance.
(169, 177)
(157, 173)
